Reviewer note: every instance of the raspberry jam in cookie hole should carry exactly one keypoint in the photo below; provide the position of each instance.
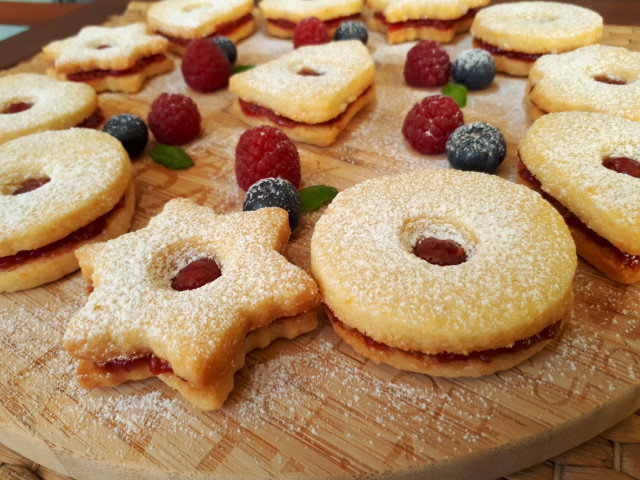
(610, 80)
(308, 72)
(196, 274)
(17, 107)
(439, 252)
(30, 185)
(625, 165)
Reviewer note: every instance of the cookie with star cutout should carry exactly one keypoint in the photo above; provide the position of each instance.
(186, 298)
(116, 59)
(407, 20)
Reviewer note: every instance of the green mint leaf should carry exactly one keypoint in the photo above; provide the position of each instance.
(241, 68)
(173, 158)
(315, 196)
(457, 92)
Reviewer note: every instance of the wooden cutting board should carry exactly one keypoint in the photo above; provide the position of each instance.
(312, 408)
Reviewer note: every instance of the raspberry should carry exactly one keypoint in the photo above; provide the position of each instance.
(174, 119)
(427, 65)
(205, 67)
(310, 31)
(264, 152)
(429, 123)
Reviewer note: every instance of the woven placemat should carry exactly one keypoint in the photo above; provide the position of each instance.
(614, 455)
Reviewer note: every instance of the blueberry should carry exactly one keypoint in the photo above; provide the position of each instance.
(130, 130)
(274, 192)
(474, 69)
(351, 30)
(228, 48)
(477, 146)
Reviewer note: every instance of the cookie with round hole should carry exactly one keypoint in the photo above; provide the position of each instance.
(186, 298)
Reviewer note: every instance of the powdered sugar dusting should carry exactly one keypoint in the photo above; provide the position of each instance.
(568, 81)
(363, 245)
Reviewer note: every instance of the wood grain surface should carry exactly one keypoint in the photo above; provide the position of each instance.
(312, 408)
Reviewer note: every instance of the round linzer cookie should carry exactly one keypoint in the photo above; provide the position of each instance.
(181, 21)
(282, 16)
(596, 78)
(59, 190)
(439, 20)
(517, 34)
(444, 272)
(31, 103)
(588, 166)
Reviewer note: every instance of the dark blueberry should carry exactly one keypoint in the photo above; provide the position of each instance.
(474, 69)
(477, 146)
(130, 130)
(228, 48)
(274, 192)
(351, 30)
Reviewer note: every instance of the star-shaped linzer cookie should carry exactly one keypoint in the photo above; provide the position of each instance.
(186, 298)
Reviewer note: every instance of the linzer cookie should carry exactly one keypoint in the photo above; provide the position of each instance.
(588, 166)
(517, 34)
(31, 103)
(117, 59)
(596, 78)
(311, 93)
(444, 272)
(181, 21)
(186, 298)
(282, 16)
(439, 20)
(59, 190)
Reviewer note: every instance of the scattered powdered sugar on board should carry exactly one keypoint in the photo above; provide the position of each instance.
(300, 393)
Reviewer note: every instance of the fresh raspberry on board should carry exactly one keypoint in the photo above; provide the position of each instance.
(429, 124)
(427, 65)
(205, 67)
(310, 31)
(174, 119)
(264, 152)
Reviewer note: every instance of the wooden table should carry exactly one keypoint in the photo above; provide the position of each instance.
(613, 455)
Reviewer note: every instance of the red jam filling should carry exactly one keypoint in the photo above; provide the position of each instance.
(439, 252)
(196, 274)
(31, 184)
(626, 259)
(523, 57)
(330, 24)
(424, 22)
(17, 107)
(609, 80)
(484, 356)
(307, 72)
(139, 65)
(625, 165)
(253, 110)
(156, 365)
(83, 234)
(92, 121)
(223, 29)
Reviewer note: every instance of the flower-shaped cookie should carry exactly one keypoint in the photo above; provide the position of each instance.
(109, 58)
(186, 298)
